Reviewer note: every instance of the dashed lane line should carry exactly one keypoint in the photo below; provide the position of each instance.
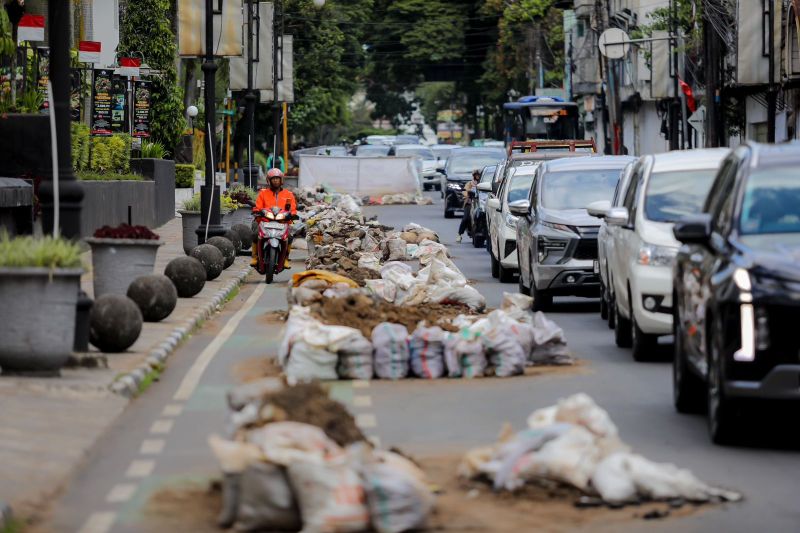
(162, 427)
(152, 446)
(98, 523)
(362, 401)
(360, 384)
(140, 468)
(173, 409)
(366, 421)
(121, 493)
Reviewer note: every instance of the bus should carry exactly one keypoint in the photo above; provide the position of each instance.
(541, 118)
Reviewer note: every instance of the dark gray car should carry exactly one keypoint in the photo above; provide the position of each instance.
(458, 171)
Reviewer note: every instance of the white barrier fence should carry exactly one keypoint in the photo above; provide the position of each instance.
(361, 176)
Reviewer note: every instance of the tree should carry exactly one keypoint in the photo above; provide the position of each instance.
(147, 27)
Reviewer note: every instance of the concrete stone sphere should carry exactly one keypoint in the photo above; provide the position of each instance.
(212, 259)
(245, 234)
(233, 236)
(226, 247)
(187, 274)
(155, 295)
(115, 323)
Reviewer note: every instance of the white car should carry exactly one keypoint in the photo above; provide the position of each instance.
(430, 177)
(502, 224)
(662, 189)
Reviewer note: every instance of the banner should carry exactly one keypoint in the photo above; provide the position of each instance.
(227, 28)
(141, 109)
(43, 76)
(262, 53)
(360, 176)
(119, 107)
(31, 28)
(101, 102)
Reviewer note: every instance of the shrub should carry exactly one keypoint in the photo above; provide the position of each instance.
(184, 176)
(80, 146)
(153, 150)
(124, 231)
(193, 204)
(19, 252)
(88, 175)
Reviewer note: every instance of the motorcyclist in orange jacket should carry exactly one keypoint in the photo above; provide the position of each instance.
(275, 196)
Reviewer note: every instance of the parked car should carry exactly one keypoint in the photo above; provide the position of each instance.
(458, 171)
(557, 237)
(338, 151)
(407, 139)
(442, 151)
(663, 188)
(737, 290)
(372, 150)
(430, 177)
(381, 139)
(478, 214)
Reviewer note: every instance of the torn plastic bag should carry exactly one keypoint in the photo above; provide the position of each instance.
(427, 352)
(382, 289)
(396, 250)
(437, 273)
(516, 302)
(356, 359)
(503, 466)
(467, 295)
(464, 357)
(284, 443)
(390, 342)
(266, 500)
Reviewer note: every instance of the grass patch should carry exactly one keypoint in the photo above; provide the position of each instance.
(88, 175)
(153, 376)
(233, 294)
(14, 525)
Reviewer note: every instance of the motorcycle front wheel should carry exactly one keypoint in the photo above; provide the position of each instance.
(271, 262)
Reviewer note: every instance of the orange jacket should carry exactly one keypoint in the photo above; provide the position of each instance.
(267, 200)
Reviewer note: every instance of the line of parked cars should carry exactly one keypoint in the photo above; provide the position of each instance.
(701, 245)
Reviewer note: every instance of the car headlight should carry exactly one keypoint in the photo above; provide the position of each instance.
(511, 221)
(546, 246)
(652, 255)
(560, 227)
(453, 186)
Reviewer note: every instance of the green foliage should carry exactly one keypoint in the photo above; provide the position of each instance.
(88, 175)
(238, 188)
(184, 176)
(146, 27)
(111, 154)
(31, 101)
(7, 44)
(193, 203)
(26, 251)
(260, 159)
(80, 146)
(153, 150)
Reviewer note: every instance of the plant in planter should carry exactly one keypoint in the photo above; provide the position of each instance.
(120, 255)
(184, 176)
(39, 284)
(245, 199)
(190, 218)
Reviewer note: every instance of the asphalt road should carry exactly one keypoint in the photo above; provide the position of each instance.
(160, 441)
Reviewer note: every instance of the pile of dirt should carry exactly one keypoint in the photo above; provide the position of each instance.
(310, 404)
(364, 313)
(343, 262)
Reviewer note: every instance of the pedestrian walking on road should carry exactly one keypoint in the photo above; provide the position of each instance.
(466, 220)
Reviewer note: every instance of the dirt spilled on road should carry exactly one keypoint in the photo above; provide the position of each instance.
(364, 313)
(254, 369)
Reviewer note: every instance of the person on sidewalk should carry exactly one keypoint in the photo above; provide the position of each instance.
(275, 196)
(466, 220)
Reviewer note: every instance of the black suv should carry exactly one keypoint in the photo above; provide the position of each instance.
(458, 172)
(737, 290)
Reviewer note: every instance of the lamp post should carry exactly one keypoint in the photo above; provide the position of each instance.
(250, 99)
(70, 191)
(209, 194)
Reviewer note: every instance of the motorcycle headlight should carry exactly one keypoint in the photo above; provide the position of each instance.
(652, 255)
(511, 221)
(280, 217)
(454, 186)
(270, 216)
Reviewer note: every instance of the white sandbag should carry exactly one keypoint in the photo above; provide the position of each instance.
(467, 295)
(331, 497)
(284, 443)
(546, 331)
(370, 244)
(516, 302)
(356, 359)
(303, 296)
(438, 273)
(340, 290)
(266, 500)
(426, 348)
(234, 456)
(570, 458)
(505, 462)
(401, 274)
(423, 200)
(504, 351)
(396, 250)
(397, 501)
(382, 289)
(390, 342)
(315, 284)
(307, 362)
(464, 357)
(369, 261)
(349, 204)
(299, 319)
(580, 409)
(612, 480)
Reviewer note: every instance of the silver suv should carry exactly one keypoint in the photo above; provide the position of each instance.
(556, 237)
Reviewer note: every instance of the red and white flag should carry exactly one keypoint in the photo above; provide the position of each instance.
(31, 28)
(89, 51)
(129, 66)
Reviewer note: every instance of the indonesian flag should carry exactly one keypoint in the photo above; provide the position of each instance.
(89, 51)
(129, 66)
(31, 28)
(690, 103)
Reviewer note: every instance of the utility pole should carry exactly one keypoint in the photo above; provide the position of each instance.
(674, 107)
(772, 93)
(250, 99)
(602, 65)
(710, 59)
(539, 62)
(276, 110)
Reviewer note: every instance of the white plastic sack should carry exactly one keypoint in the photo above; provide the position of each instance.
(266, 501)
(349, 204)
(546, 331)
(284, 443)
(464, 357)
(355, 359)
(383, 289)
(369, 261)
(303, 296)
(508, 457)
(427, 352)
(401, 274)
(390, 342)
(467, 295)
(504, 351)
(516, 302)
(398, 501)
(396, 250)
(438, 273)
(234, 456)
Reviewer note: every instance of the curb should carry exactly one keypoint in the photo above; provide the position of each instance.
(127, 385)
(6, 517)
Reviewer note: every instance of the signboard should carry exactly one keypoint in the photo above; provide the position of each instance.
(286, 83)
(43, 76)
(89, 51)
(119, 124)
(262, 56)
(101, 101)
(227, 28)
(141, 108)
(31, 28)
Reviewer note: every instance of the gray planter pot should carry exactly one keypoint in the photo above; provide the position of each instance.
(243, 215)
(117, 262)
(190, 221)
(37, 311)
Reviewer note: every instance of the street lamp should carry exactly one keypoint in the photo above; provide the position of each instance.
(191, 112)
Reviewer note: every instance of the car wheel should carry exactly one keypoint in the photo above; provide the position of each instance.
(448, 213)
(723, 428)
(438, 186)
(488, 240)
(687, 388)
(495, 265)
(522, 288)
(603, 303)
(477, 239)
(622, 329)
(426, 187)
(505, 275)
(643, 345)
(542, 300)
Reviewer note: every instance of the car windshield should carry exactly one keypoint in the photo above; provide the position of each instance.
(465, 164)
(771, 202)
(369, 149)
(519, 188)
(672, 195)
(488, 174)
(577, 189)
(424, 153)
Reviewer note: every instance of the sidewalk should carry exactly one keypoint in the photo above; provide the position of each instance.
(48, 425)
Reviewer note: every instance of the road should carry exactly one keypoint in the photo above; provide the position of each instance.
(160, 441)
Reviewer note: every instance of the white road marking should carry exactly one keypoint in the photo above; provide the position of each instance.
(360, 384)
(362, 401)
(162, 427)
(173, 409)
(152, 446)
(141, 468)
(366, 421)
(98, 523)
(121, 493)
(193, 376)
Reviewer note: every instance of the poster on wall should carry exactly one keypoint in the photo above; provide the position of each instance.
(75, 95)
(43, 76)
(101, 102)
(119, 124)
(141, 109)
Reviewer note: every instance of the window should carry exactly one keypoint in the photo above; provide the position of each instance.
(581, 28)
(672, 195)
(759, 132)
(771, 202)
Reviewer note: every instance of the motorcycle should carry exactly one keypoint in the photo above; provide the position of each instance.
(274, 231)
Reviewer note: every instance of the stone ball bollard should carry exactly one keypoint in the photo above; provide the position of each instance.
(212, 259)
(155, 295)
(187, 274)
(233, 236)
(245, 235)
(226, 247)
(115, 323)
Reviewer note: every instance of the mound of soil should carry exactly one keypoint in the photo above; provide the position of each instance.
(364, 313)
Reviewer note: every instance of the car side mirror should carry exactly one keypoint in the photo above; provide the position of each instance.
(440, 164)
(598, 209)
(485, 187)
(617, 216)
(520, 208)
(495, 187)
(493, 203)
(695, 229)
